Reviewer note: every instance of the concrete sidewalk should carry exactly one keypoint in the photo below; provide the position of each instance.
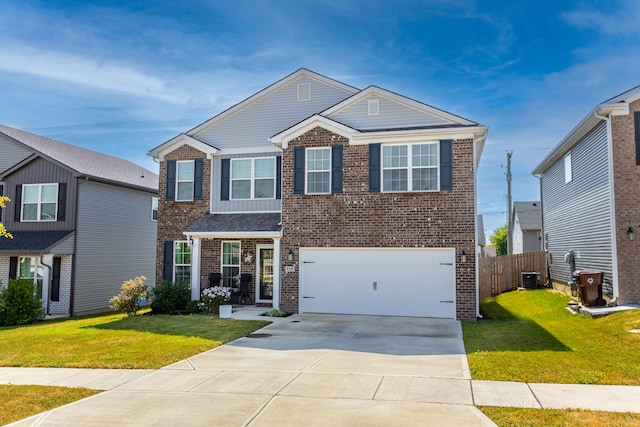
(313, 370)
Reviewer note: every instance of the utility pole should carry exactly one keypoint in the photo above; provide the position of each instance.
(509, 204)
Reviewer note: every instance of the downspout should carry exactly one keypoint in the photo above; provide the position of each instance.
(545, 247)
(475, 222)
(612, 205)
(72, 287)
(50, 277)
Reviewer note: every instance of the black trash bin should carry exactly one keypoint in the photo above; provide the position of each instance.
(590, 283)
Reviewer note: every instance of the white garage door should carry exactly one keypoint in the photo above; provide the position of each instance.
(385, 281)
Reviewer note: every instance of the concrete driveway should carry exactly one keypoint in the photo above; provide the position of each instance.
(309, 369)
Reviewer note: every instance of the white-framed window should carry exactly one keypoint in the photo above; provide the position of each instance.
(568, 174)
(181, 262)
(253, 178)
(39, 202)
(231, 264)
(30, 268)
(318, 170)
(184, 180)
(154, 208)
(410, 167)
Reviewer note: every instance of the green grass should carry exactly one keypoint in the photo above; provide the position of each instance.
(532, 338)
(22, 401)
(525, 417)
(115, 341)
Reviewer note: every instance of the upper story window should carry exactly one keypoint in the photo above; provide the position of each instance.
(253, 178)
(410, 167)
(154, 208)
(318, 170)
(39, 202)
(184, 180)
(568, 174)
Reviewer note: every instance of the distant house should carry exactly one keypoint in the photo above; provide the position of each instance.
(483, 250)
(321, 197)
(527, 227)
(590, 197)
(83, 222)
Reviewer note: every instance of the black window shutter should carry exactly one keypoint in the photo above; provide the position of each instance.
(13, 267)
(446, 165)
(298, 170)
(171, 180)
(167, 260)
(278, 177)
(1, 194)
(62, 201)
(17, 203)
(197, 179)
(374, 168)
(336, 169)
(225, 169)
(636, 117)
(55, 279)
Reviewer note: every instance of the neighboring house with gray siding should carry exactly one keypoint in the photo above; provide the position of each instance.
(527, 227)
(321, 197)
(83, 222)
(590, 198)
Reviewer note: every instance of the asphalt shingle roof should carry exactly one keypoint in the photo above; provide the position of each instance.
(245, 222)
(31, 241)
(86, 162)
(528, 213)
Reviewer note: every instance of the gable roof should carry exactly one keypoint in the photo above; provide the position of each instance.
(231, 111)
(528, 214)
(616, 106)
(84, 162)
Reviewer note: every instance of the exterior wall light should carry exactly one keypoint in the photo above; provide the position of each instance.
(631, 234)
(463, 256)
(290, 255)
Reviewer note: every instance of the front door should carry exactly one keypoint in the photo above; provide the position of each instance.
(264, 274)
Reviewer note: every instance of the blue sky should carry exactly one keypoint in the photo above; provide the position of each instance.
(123, 77)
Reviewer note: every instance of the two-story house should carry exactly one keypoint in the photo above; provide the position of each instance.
(82, 222)
(590, 198)
(527, 227)
(333, 199)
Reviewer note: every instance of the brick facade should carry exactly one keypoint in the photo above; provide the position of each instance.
(358, 218)
(627, 200)
(175, 217)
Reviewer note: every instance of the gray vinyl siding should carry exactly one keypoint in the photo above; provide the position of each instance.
(391, 115)
(12, 153)
(116, 241)
(577, 215)
(64, 247)
(218, 206)
(255, 124)
(40, 171)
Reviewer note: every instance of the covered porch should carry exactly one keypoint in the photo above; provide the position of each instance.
(237, 251)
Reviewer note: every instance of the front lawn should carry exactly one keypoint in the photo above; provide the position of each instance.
(115, 341)
(527, 417)
(531, 337)
(22, 401)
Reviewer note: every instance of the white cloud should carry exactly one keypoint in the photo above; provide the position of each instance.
(625, 21)
(86, 71)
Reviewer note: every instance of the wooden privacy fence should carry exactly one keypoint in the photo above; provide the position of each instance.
(503, 273)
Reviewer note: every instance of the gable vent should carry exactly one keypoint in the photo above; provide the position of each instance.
(374, 107)
(304, 91)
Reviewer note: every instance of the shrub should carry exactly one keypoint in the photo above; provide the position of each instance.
(169, 297)
(213, 298)
(19, 303)
(193, 307)
(131, 292)
(274, 312)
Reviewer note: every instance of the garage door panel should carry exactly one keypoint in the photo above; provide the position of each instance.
(408, 282)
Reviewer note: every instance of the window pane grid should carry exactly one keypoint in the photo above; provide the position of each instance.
(184, 181)
(182, 262)
(418, 172)
(253, 178)
(39, 202)
(231, 264)
(318, 171)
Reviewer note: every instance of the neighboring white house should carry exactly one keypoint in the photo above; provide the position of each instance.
(527, 227)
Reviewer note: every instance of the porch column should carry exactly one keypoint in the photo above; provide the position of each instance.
(277, 267)
(195, 269)
(47, 276)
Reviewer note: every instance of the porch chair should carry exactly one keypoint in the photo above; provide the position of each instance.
(243, 290)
